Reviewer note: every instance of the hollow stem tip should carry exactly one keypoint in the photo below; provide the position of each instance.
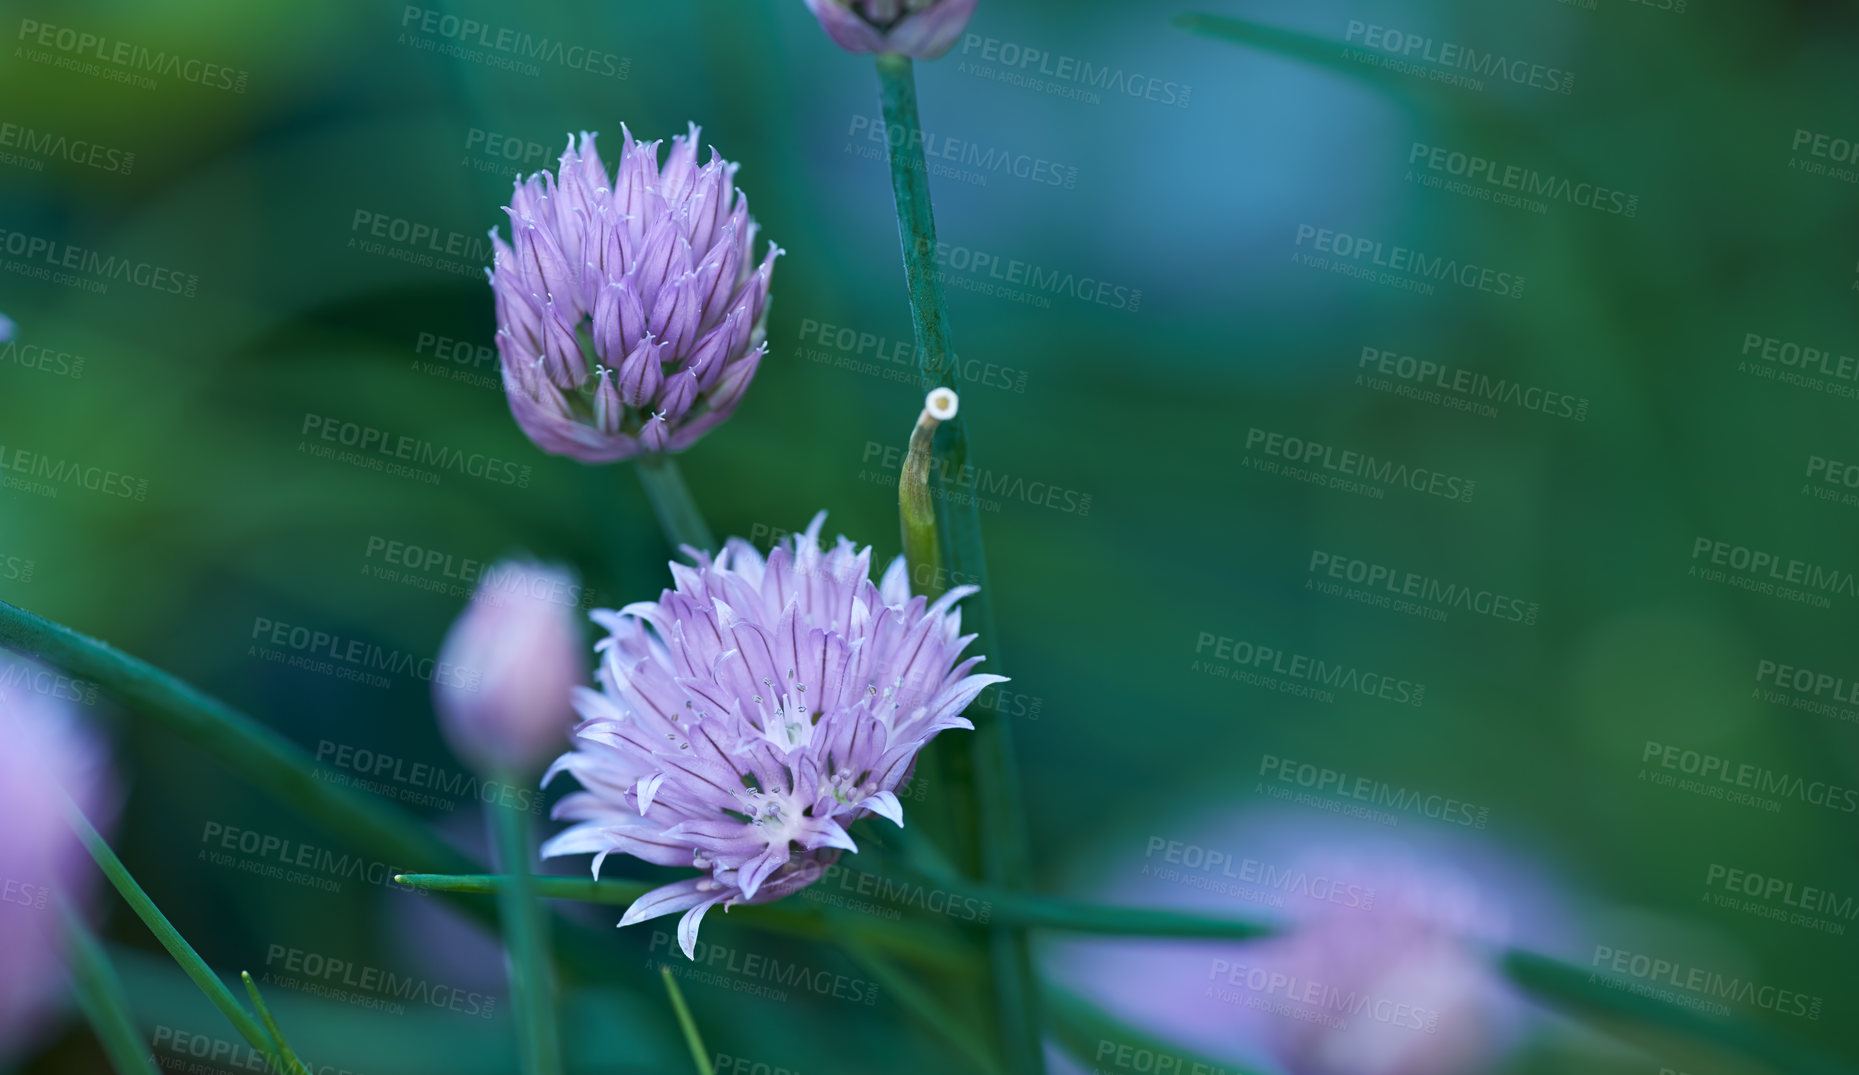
(914, 509)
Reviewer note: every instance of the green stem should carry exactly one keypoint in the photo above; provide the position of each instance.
(926, 1007)
(293, 1065)
(525, 941)
(678, 514)
(271, 763)
(100, 995)
(1000, 832)
(1013, 908)
(165, 932)
(804, 922)
(699, 1055)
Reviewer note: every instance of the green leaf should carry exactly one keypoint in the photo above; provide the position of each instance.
(292, 1064)
(271, 763)
(100, 996)
(699, 1055)
(164, 931)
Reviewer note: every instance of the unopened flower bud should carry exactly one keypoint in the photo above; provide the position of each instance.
(923, 29)
(508, 669)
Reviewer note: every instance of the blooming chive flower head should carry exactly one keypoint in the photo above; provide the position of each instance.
(509, 666)
(629, 311)
(748, 715)
(1383, 963)
(44, 754)
(924, 29)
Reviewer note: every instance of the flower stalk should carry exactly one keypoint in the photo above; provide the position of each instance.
(678, 514)
(525, 935)
(1000, 834)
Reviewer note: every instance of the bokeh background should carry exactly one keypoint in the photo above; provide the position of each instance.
(1142, 546)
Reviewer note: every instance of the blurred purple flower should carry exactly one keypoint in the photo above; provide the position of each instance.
(744, 718)
(1382, 968)
(924, 29)
(629, 311)
(513, 659)
(44, 754)
(6, 328)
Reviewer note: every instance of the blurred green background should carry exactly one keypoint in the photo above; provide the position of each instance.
(263, 177)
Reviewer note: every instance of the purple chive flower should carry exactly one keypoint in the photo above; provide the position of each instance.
(6, 328)
(745, 717)
(924, 29)
(1384, 965)
(508, 668)
(44, 754)
(629, 311)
